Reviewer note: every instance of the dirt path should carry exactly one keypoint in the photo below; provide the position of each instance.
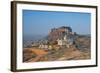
(34, 59)
(40, 53)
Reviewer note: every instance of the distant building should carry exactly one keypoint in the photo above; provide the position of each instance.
(43, 46)
(57, 33)
(34, 44)
(65, 41)
(62, 41)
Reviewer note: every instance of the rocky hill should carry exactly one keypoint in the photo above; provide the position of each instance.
(61, 44)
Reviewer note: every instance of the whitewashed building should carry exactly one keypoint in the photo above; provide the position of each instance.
(65, 41)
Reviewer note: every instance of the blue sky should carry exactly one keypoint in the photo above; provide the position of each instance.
(40, 22)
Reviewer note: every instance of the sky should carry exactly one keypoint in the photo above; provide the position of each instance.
(41, 22)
